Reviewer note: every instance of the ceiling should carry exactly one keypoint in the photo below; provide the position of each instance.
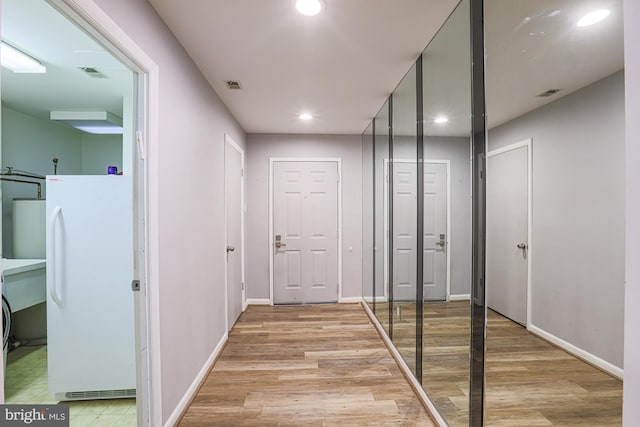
(340, 65)
(37, 29)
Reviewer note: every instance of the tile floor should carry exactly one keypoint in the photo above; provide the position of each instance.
(26, 382)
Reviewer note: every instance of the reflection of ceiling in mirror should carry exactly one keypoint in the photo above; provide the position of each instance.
(446, 86)
(531, 46)
(534, 46)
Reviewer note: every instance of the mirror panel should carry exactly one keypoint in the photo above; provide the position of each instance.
(402, 194)
(368, 217)
(381, 215)
(447, 217)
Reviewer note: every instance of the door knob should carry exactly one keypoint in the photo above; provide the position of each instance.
(442, 242)
(230, 248)
(279, 244)
(522, 246)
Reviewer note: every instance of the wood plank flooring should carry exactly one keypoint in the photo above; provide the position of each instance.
(533, 383)
(305, 366)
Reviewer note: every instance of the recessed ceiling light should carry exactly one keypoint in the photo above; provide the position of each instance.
(593, 17)
(441, 120)
(305, 116)
(309, 7)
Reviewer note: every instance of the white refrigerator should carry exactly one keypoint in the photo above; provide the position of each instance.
(90, 312)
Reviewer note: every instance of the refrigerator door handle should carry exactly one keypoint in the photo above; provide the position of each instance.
(53, 291)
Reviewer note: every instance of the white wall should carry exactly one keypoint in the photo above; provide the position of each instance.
(259, 149)
(188, 173)
(631, 410)
(577, 248)
(30, 144)
(100, 152)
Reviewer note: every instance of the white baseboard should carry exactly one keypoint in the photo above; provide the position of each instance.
(195, 385)
(406, 371)
(349, 300)
(460, 297)
(578, 352)
(258, 301)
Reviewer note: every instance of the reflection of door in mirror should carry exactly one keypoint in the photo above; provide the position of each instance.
(435, 230)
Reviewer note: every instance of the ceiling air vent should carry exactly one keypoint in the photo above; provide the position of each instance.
(233, 84)
(549, 93)
(92, 72)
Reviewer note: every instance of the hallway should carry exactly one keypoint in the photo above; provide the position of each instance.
(312, 365)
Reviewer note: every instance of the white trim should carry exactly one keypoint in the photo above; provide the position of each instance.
(258, 301)
(527, 143)
(182, 406)
(228, 140)
(338, 161)
(406, 371)
(460, 297)
(92, 19)
(578, 352)
(349, 300)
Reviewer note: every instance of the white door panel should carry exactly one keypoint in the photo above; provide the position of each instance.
(233, 208)
(404, 230)
(435, 225)
(507, 232)
(305, 226)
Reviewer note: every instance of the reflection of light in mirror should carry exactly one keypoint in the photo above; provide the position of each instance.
(441, 120)
(305, 116)
(309, 7)
(593, 17)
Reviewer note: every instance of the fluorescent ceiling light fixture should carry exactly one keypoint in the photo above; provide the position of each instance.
(309, 7)
(96, 122)
(305, 116)
(441, 120)
(18, 61)
(593, 17)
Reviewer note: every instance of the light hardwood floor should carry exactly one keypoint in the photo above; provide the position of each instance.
(305, 366)
(533, 383)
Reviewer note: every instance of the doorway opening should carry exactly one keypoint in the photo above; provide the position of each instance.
(70, 129)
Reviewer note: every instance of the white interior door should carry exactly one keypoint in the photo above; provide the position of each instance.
(508, 231)
(435, 231)
(233, 177)
(405, 240)
(305, 227)
(404, 230)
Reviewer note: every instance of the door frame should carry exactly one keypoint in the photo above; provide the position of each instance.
(229, 142)
(528, 144)
(448, 225)
(338, 162)
(89, 17)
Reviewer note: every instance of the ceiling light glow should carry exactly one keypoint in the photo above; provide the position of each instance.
(441, 120)
(306, 116)
(593, 17)
(18, 61)
(309, 7)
